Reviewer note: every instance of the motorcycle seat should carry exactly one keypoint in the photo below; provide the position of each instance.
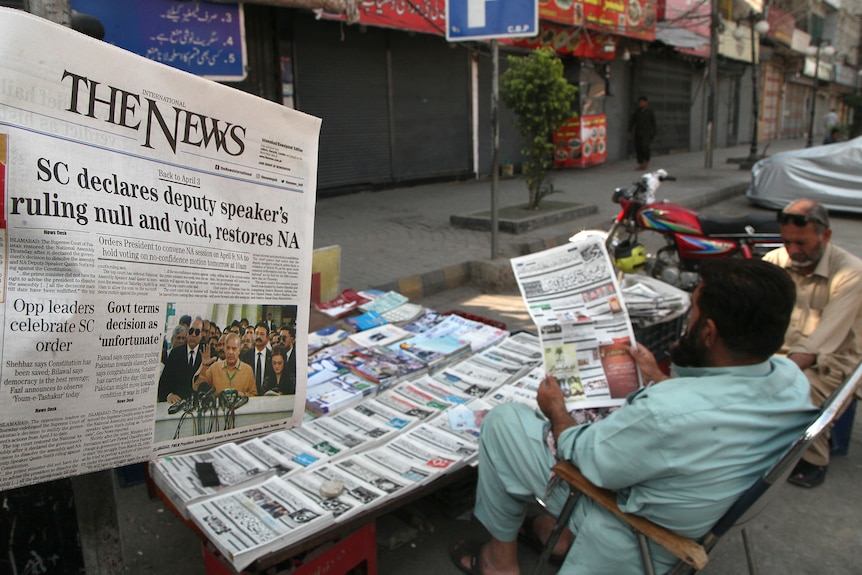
(747, 225)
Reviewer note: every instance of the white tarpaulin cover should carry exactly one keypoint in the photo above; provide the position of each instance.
(829, 174)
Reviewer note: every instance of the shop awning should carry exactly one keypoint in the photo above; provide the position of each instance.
(681, 38)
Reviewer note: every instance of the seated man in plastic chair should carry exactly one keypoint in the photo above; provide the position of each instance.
(678, 453)
(825, 334)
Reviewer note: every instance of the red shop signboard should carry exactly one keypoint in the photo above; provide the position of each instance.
(427, 16)
(581, 142)
(573, 41)
(632, 18)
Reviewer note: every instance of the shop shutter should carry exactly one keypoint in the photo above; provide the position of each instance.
(430, 107)
(667, 84)
(340, 76)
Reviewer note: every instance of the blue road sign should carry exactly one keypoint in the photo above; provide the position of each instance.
(489, 19)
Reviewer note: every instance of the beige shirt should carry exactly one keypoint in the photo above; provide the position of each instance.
(827, 319)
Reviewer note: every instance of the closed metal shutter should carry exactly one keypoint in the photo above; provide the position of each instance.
(796, 111)
(667, 84)
(340, 76)
(430, 107)
(771, 103)
(511, 140)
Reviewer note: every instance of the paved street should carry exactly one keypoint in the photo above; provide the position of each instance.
(403, 235)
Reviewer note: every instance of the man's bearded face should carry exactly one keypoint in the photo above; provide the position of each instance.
(690, 350)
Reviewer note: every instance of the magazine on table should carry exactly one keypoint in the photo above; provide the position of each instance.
(334, 432)
(343, 304)
(250, 523)
(395, 415)
(383, 366)
(431, 459)
(266, 455)
(365, 321)
(349, 502)
(363, 469)
(475, 377)
(433, 351)
(367, 427)
(479, 335)
(325, 337)
(384, 303)
(572, 294)
(520, 348)
(438, 439)
(405, 461)
(179, 478)
(430, 393)
(290, 448)
(464, 420)
(404, 313)
(338, 393)
(385, 334)
(398, 403)
(324, 445)
(425, 321)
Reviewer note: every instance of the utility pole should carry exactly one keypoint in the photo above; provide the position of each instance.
(59, 11)
(712, 102)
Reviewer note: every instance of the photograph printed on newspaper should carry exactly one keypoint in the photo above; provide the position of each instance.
(145, 211)
(572, 295)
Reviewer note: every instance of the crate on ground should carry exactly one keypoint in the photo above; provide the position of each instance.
(658, 336)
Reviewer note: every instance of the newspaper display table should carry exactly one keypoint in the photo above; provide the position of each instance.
(417, 430)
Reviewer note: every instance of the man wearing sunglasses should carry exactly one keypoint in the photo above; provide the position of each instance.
(824, 337)
(175, 382)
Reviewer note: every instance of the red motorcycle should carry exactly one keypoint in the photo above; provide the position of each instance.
(690, 237)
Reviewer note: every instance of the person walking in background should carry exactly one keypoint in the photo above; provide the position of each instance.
(643, 128)
(830, 121)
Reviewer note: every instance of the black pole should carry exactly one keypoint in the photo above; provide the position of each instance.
(810, 141)
(755, 72)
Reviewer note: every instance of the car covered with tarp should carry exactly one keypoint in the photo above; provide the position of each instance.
(829, 174)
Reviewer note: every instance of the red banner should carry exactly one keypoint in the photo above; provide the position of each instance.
(781, 25)
(687, 15)
(632, 18)
(581, 142)
(575, 41)
(427, 16)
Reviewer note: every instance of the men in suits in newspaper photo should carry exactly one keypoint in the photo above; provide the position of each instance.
(259, 357)
(184, 360)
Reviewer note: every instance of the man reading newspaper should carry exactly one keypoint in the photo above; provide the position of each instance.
(678, 453)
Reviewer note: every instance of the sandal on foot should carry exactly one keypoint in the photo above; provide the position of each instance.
(471, 548)
(807, 474)
(527, 535)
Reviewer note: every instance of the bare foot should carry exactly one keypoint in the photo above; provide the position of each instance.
(493, 558)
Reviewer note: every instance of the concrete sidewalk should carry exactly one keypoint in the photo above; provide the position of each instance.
(401, 239)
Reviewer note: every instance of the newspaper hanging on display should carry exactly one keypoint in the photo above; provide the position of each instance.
(572, 295)
(134, 194)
